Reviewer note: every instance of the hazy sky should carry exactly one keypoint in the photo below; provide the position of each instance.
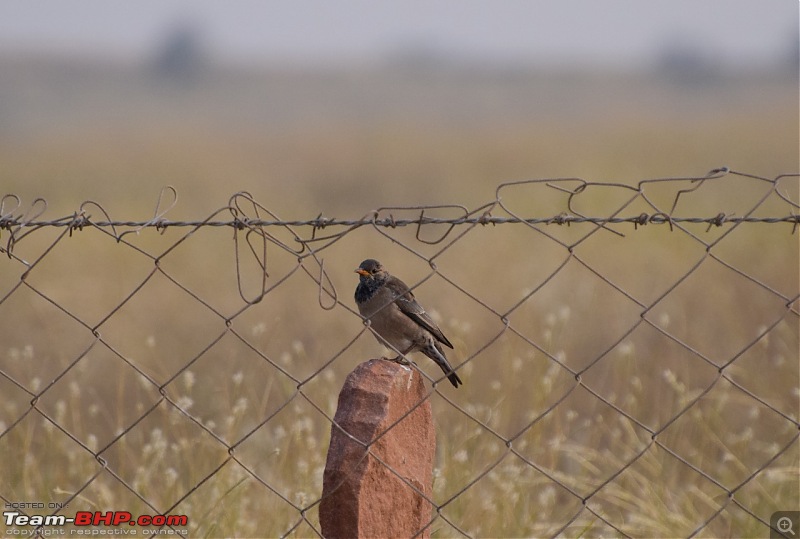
(587, 31)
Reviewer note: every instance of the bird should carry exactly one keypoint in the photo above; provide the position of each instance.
(398, 319)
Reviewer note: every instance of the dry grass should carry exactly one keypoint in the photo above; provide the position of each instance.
(219, 391)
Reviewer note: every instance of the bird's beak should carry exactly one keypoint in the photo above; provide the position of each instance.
(362, 272)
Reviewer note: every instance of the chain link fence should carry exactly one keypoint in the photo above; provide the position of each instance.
(629, 356)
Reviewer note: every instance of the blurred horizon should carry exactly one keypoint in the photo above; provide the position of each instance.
(621, 34)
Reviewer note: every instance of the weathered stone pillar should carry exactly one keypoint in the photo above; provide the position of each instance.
(363, 494)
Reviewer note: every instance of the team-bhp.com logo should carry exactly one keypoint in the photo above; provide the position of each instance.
(15, 520)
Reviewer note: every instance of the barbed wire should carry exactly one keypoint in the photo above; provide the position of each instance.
(81, 218)
(582, 491)
(79, 222)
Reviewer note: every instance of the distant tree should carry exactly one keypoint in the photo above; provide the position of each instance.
(793, 53)
(686, 63)
(182, 54)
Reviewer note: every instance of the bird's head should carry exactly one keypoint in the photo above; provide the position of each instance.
(370, 269)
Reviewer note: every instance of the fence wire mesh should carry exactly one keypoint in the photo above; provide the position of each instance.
(629, 356)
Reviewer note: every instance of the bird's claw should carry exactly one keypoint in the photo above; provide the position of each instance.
(401, 360)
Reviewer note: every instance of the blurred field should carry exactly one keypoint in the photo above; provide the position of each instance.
(342, 141)
(345, 143)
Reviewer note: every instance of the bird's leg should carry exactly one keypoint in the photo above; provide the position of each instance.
(402, 359)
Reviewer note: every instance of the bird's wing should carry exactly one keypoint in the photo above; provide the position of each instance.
(409, 306)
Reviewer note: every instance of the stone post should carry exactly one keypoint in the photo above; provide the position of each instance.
(366, 488)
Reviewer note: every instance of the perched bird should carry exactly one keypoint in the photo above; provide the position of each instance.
(398, 319)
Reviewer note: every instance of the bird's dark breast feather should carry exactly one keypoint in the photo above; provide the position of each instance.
(366, 290)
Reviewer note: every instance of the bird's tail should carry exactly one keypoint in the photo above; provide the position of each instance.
(435, 352)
